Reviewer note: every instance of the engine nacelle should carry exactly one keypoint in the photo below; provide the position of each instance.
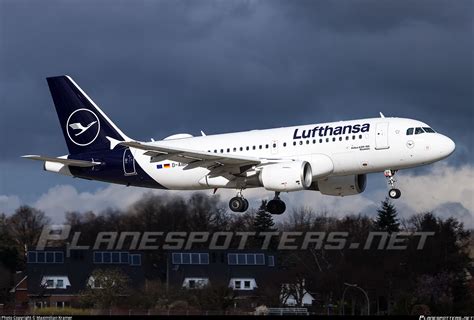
(57, 167)
(286, 176)
(343, 185)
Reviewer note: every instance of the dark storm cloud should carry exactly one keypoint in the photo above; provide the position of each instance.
(163, 67)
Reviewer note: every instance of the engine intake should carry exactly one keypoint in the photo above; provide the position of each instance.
(286, 176)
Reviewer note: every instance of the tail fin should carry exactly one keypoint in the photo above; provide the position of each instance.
(85, 127)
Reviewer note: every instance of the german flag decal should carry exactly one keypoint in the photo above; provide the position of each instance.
(163, 166)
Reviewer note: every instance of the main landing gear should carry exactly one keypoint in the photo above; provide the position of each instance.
(276, 206)
(240, 204)
(393, 193)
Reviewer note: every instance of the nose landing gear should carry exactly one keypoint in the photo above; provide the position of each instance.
(276, 206)
(393, 193)
(238, 203)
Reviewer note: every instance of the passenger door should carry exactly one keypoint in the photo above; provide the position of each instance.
(381, 136)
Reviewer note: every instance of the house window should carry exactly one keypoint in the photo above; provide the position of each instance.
(246, 284)
(204, 258)
(124, 258)
(60, 283)
(176, 258)
(246, 259)
(115, 257)
(58, 257)
(237, 284)
(50, 283)
(41, 257)
(190, 258)
(232, 259)
(97, 257)
(106, 257)
(31, 257)
(195, 283)
(135, 260)
(271, 261)
(241, 259)
(250, 259)
(49, 257)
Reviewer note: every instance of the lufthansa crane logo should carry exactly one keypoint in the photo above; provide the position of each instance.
(83, 127)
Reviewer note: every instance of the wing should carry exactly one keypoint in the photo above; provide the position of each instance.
(69, 162)
(197, 158)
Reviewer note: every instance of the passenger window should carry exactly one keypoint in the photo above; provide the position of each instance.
(418, 130)
(314, 141)
(327, 139)
(235, 149)
(253, 147)
(334, 139)
(284, 144)
(228, 149)
(247, 148)
(360, 136)
(294, 143)
(353, 137)
(215, 151)
(301, 142)
(222, 150)
(409, 131)
(307, 141)
(320, 140)
(340, 138)
(241, 149)
(260, 146)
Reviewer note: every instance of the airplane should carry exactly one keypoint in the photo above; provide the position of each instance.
(332, 158)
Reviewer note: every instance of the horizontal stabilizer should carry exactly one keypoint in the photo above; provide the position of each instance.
(69, 162)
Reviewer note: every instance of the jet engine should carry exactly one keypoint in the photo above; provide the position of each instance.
(343, 185)
(286, 176)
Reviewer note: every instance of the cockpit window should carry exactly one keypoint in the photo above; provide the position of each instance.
(428, 129)
(419, 130)
(409, 131)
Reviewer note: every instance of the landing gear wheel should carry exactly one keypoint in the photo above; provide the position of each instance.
(276, 206)
(394, 193)
(238, 204)
(246, 205)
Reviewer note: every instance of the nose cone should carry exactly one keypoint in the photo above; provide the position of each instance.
(446, 146)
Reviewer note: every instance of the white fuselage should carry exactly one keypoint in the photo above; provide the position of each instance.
(384, 145)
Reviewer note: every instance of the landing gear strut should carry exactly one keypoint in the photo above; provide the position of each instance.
(238, 203)
(393, 193)
(276, 206)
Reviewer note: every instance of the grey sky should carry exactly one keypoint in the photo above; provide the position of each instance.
(163, 67)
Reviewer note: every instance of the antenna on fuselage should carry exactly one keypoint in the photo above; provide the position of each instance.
(381, 115)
